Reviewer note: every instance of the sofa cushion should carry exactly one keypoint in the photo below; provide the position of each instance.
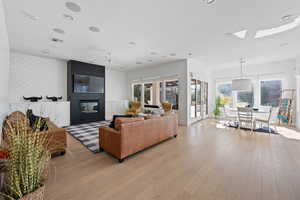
(121, 120)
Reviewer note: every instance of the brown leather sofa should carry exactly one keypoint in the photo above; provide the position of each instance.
(136, 134)
(58, 140)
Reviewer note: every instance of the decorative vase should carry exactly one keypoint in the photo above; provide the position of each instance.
(36, 195)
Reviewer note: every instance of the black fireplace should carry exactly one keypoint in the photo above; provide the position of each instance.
(86, 92)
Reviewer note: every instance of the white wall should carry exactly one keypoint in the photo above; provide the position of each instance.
(40, 76)
(36, 76)
(116, 93)
(173, 69)
(283, 69)
(298, 92)
(4, 66)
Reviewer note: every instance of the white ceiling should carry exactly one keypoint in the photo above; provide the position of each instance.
(162, 26)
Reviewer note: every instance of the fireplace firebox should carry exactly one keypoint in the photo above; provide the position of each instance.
(88, 106)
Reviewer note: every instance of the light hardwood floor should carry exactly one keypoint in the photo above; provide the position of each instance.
(203, 162)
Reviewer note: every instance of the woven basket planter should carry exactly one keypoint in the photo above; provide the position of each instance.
(36, 195)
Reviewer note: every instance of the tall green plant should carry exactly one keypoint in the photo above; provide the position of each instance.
(28, 158)
(218, 104)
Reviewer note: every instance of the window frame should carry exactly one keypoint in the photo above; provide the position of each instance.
(259, 88)
(233, 93)
(132, 91)
(153, 82)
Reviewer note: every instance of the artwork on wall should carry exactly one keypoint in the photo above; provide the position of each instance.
(33, 99)
(54, 98)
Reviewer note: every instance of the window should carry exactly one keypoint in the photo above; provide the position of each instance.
(270, 92)
(245, 99)
(224, 91)
(161, 92)
(148, 99)
(172, 93)
(154, 93)
(137, 92)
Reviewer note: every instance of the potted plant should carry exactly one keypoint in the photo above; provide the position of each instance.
(28, 158)
(218, 104)
(4, 154)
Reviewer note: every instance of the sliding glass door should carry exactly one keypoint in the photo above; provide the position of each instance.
(193, 97)
(199, 99)
(204, 102)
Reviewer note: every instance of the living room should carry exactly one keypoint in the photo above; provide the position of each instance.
(149, 100)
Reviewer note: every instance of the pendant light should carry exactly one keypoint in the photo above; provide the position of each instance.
(242, 84)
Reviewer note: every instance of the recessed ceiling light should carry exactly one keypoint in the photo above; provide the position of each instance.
(153, 53)
(132, 43)
(94, 29)
(57, 40)
(284, 44)
(241, 34)
(272, 31)
(45, 51)
(287, 18)
(58, 30)
(28, 15)
(73, 6)
(68, 17)
(172, 54)
(139, 63)
(209, 1)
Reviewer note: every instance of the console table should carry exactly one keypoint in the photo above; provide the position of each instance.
(57, 112)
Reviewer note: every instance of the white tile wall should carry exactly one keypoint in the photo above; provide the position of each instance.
(36, 76)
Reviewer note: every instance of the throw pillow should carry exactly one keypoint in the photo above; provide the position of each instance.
(33, 120)
(112, 123)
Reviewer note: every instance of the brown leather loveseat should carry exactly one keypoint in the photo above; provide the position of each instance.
(132, 135)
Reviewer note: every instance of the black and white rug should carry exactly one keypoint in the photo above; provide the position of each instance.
(87, 134)
(262, 129)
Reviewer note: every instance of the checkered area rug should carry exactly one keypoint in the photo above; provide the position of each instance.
(87, 134)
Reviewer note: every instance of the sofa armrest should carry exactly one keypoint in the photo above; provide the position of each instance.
(110, 141)
(58, 140)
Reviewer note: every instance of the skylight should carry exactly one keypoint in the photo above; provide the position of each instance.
(241, 34)
(279, 29)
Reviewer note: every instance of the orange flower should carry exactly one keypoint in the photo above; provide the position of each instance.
(4, 154)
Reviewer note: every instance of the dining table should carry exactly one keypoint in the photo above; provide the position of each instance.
(257, 113)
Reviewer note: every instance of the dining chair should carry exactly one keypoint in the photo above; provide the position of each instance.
(246, 118)
(229, 115)
(269, 120)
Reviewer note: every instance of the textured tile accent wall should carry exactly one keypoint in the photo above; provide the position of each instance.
(36, 76)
